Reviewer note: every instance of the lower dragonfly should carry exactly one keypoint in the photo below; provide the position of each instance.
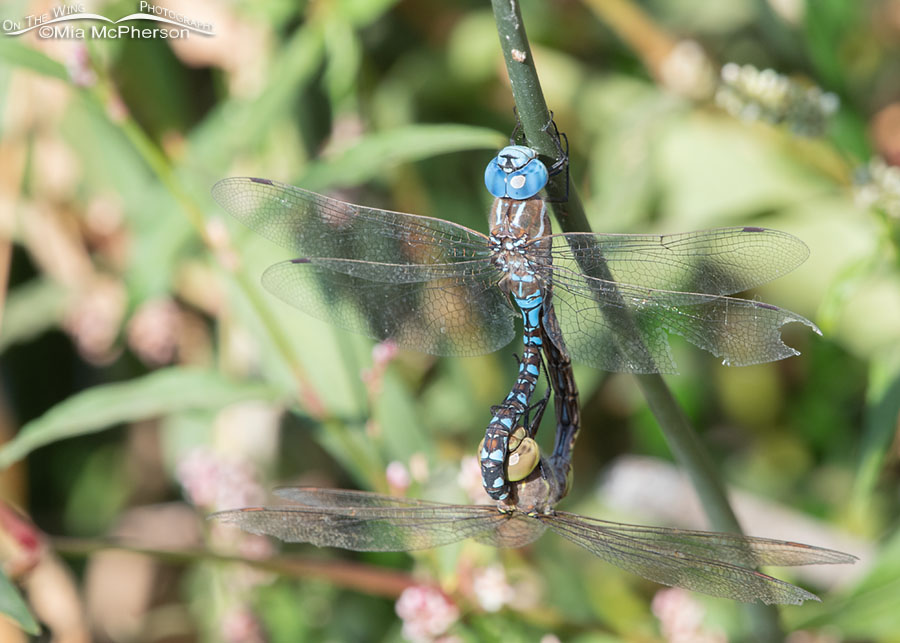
(719, 564)
(445, 289)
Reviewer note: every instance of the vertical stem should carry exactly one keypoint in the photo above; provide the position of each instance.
(5, 258)
(682, 439)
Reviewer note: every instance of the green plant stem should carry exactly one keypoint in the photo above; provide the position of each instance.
(682, 439)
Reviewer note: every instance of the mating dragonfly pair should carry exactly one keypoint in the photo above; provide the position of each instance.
(609, 300)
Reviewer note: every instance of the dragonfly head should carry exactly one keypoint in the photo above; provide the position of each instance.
(515, 173)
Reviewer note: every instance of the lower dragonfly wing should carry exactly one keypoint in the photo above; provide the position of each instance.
(340, 500)
(511, 530)
(625, 328)
(517, 530)
(370, 528)
(694, 560)
(447, 309)
(731, 548)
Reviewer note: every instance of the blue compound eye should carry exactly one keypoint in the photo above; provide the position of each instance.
(495, 179)
(516, 173)
(528, 181)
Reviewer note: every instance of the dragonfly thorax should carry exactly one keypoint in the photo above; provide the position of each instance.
(516, 230)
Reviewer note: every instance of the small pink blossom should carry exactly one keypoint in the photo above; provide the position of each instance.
(491, 588)
(397, 477)
(418, 466)
(78, 65)
(241, 625)
(681, 618)
(384, 352)
(469, 478)
(153, 331)
(255, 547)
(212, 482)
(94, 318)
(382, 355)
(807, 636)
(220, 242)
(427, 613)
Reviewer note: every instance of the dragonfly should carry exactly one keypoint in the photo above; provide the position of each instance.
(518, 216)
(442, 288)
(718, 564)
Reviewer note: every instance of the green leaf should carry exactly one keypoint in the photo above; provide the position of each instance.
(13, 606)
(236, 124)
(159, 393)
(18, 54)
(882, 410)
(31, 309)
(373, 153)
(712, 169)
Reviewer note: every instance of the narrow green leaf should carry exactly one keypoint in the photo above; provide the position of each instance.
(30, 310)
(13, 605)
(372, 154)
(159, 393)
(17, 54)
(882, 411)
(238, 124)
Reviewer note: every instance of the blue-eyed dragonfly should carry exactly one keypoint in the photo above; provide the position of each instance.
(713, 563)
(445, 289)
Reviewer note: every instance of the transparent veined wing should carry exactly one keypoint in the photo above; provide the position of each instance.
(454, 310)
(363, 521)
(721, 261)
(713, 563)
(625, 328)
(511, 530)
(340, 500)
(426, 283)
(313, 225)
(709, 562)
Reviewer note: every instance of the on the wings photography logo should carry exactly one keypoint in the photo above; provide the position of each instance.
(72, 21)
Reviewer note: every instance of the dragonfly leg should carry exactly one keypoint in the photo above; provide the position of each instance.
(561, 164)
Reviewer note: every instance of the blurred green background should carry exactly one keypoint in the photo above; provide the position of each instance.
(148, 379)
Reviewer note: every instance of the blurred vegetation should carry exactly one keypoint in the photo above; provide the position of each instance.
(142, 363)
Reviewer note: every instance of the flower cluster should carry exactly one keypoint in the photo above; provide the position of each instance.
(427, 613)
(878, 186)
(765, 95)
(681, 618)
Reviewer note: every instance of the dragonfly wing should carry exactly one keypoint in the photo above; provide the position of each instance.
(736, 549)
(313, 225)
(517, 531)
(368, 528)
(342, 499)
(722, 261)
(625, 328)
(693, 560)
(437, 309)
